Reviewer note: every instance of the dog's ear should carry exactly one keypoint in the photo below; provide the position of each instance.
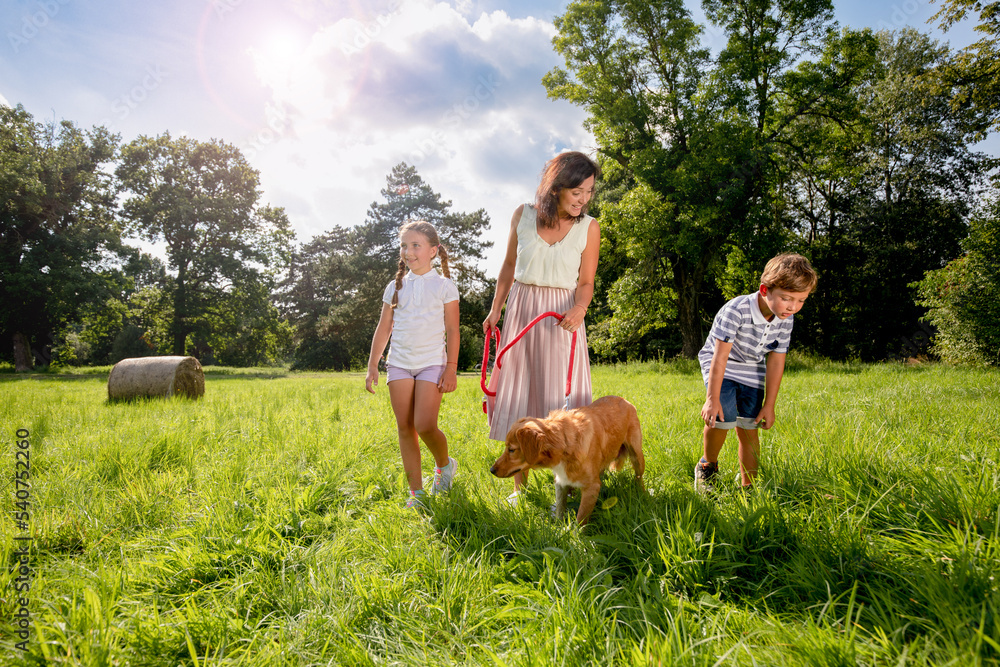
(531, 441)
(547, 446)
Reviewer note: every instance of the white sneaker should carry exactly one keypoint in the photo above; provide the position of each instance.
(443, 476)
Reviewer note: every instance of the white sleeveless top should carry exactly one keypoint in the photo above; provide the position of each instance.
(556, 265)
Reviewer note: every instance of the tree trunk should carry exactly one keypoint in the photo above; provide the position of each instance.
(690, 324)
(23, 361)
(179, 336)
(177, 327)
(688, 281)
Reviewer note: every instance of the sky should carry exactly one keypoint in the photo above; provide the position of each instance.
(325, 97)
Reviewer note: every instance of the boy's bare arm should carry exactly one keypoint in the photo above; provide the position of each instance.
(716, 373)
(774, 370)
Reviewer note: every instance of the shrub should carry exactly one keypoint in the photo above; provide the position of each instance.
(963, 298)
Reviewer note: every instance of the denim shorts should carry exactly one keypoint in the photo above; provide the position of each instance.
(740, 405)
(427, 374)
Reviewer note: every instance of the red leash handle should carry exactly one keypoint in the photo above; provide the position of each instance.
(498, 363)
(494, 332)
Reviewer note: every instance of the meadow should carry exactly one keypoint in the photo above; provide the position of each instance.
(264, 525)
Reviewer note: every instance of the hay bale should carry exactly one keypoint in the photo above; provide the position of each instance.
(155, 377)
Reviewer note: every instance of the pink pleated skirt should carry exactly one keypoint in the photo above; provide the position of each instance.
(531, 381)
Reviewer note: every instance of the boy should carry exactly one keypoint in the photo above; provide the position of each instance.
(742, 363)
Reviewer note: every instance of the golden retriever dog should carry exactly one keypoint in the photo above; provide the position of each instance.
(577, 446)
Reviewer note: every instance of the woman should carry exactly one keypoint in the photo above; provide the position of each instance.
(550, 264)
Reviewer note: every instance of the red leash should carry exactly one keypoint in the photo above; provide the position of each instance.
(495, 333)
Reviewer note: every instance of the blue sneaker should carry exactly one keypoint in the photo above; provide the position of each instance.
(416, 500)
(443, 477)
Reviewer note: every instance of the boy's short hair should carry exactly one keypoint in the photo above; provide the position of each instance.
(789, 271)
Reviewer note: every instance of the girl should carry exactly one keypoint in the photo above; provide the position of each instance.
(420, 311)
(551, 264)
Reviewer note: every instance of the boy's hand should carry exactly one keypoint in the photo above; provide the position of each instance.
(371, 380)
(449, 379)
(766, 417)
(710, 411)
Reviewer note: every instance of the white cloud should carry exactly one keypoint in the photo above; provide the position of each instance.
(460, 100)
(3, 101)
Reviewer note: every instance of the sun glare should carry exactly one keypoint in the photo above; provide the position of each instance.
(279, 59)
(282, 49)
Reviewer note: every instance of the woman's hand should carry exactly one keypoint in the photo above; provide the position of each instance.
(573, 318)
(491, 321)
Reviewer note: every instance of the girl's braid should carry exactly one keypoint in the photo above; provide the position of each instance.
(443, 254)
(400, 272)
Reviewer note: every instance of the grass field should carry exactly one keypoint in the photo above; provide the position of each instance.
(264, 525)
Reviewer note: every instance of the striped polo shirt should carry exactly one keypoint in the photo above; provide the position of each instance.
(741, 323)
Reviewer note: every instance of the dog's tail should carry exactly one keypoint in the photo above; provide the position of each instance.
(634, 444)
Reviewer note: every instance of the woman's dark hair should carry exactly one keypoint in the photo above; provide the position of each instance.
(566, 170)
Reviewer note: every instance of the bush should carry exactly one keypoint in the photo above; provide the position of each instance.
(72, 350)
(321, 354)
(130, 342)
(963, 298)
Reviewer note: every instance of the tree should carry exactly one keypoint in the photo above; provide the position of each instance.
(334, 289)
(245, 329)
(972, 75)
(59, 239)
(135, 290)
(880, 199)
(697, 141)
(963, 298)
(201, 200)
(305, 296)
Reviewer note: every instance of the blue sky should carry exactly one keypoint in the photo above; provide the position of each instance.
(326, 96)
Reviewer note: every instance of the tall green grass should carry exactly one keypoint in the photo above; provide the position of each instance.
(264, 524)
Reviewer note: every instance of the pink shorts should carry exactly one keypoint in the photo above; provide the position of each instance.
(427, 374)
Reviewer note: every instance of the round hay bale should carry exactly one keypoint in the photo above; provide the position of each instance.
(156, 377)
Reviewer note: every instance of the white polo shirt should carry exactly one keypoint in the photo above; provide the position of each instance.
(741, 323)
(418, 335)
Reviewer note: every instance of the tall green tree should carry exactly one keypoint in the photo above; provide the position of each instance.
(125, 314)
(59, 238)
(972, 74)
(697, 138)
(309, 287)
(880, 199)
(201, 200)
(334, 289)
